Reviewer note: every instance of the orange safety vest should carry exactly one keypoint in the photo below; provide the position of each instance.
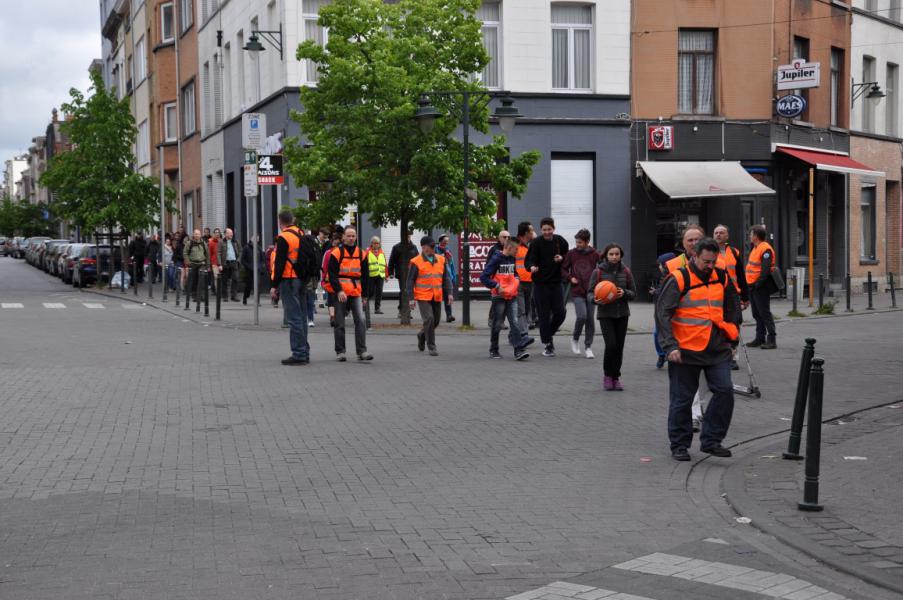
(523, 273)
(349, 272)
(428, 286)
(701, 307)
(754, 264)
(272, 259)
(678, 262)
(292, 236)
(727, 260)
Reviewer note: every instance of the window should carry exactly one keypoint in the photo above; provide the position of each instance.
(836, 68)
(868, 224)
(871, 5)
(142, 144)
(227, 80)
(890, 100)
(167, 28)
(313, 31)
(170, 122)
(140, 62)
(186, 15)
(189, 123)
(801, 52)
(868, 108)
(240, 71)
(572, 32)
(696, 76)
(490, 14)
(217, 92)
(894, 12)
(207, 99)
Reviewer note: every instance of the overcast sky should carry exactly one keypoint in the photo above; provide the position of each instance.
(46, 47)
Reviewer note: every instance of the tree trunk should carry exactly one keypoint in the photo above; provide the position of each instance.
(402, 269)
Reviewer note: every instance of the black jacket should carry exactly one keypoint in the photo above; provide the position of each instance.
(138, 248)
(542, 254)
(401, 255)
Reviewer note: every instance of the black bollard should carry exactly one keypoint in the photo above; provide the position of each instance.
(206, 294)
(813, 438)
(799, 404)
(202, 277)
(869, 284)
(178, 287)
(893, 292)
(821, 290)
(849, 294)
(150, 282)
(796, 282)
(135, 279)
(219, 295)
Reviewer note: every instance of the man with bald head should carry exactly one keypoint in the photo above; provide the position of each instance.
(197, 257)
(228, 254)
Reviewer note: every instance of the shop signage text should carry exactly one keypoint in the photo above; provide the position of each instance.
(799, 74)
(790, 106)
(269, 169)
(661, 137)
(479, 252)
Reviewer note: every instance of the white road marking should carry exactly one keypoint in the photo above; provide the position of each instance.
(132, 306)
(93, 305)
(560, 590)
(12, 305)
(54, 305)
(766, 583)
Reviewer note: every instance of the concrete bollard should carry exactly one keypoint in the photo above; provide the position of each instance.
(813, 438)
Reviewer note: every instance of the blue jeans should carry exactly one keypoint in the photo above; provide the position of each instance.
(171, 276)
(684, 381)
(505, 309)
(658, 347)
(311, 302)
(294, 309)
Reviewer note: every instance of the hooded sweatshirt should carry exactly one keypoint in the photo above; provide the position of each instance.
(579, 263)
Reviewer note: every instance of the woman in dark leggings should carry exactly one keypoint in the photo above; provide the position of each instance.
(613, 316)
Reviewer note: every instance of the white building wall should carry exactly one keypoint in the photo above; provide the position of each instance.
(12, 174)
(141, 88)
(882, 40)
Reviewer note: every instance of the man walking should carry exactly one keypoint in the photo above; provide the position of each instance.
(286, 284)
(526, 310)
(349, 281)
(695, 323)
(730, 259)
(196, 258)
(442, 250)
(500, 276)
(137, 252)
(758, 277)
(399, 259)
(499, 245)
(154, 253)
(544, 262)
(228, 256)
(428, 283)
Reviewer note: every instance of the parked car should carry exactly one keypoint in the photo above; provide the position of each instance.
(15, 247)
(4, 246)
(66, 261)
(51, 249)
(34, 246)
(86, 269)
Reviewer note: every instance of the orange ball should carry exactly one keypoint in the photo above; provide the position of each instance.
(606, 292)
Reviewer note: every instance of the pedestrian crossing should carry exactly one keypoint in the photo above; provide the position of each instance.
(11, 306)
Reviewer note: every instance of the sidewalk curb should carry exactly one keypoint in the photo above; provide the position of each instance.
(744, 505)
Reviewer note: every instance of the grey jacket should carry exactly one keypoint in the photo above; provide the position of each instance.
(221, 251)
(621, 276)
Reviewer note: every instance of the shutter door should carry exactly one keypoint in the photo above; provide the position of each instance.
(572, 197)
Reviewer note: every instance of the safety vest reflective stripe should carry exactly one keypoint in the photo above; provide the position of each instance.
(428, 285)
(376, 263)
(689, 321)
(754, 264)
(522, 272)
(687, 303)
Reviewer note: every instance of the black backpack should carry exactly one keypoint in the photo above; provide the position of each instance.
(307, 265)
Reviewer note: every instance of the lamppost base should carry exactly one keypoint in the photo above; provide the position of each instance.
(791, 456)
(810, 507)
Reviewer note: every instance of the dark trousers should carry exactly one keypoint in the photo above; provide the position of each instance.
(760, 302)
(614, 332)
(526, 308)
(684, 381)
(194, 281)
(230, 280)
(376, 292)
(549, 298)
(431, 313)
(355, 306)
(139, 269)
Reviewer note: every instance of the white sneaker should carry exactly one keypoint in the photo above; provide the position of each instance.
(575, 347)
(311, 324)
(589, 353)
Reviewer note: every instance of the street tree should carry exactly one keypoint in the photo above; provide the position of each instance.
(361, 146)
(20, 217)
(95, 185)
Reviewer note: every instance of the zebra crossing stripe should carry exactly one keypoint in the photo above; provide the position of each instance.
(560, 590)
(766, 583)
(132, 306)
(11, 305)
(92, 305)
(54, 305)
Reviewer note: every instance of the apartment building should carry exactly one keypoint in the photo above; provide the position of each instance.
(875, 139)
(12, 175)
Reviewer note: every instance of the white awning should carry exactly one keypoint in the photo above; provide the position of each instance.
(702, 179)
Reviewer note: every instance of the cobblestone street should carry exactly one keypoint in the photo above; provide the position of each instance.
(145, 456)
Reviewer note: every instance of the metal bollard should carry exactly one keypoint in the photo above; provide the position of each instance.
(796, 282)
(813, 438)
(893, 292)
(219, 295)
(164, 273)
(799, 404)
(869, 284)
(135, 279)
(821, 290)
(849, 294)
(206, 294)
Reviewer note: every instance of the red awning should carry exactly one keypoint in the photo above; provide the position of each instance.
(825, 161)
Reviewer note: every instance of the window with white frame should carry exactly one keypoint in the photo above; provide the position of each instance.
(170, 122)
(572, 44)
(868, 223)
(868, 108)
(313, 31)
(142, 144)
(490, 14)
(890, 99)
(140, 62)
(167, 23)
(186, 14)
(696, 71)
(207, 100)
(894, 10)
(189, 122)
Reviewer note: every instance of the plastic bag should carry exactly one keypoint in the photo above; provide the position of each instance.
(117, 281)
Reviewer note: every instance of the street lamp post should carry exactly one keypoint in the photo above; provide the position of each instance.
(426, 115)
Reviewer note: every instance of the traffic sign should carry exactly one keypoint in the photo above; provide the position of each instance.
(253, 130)
(269, 169)
(250, 180)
